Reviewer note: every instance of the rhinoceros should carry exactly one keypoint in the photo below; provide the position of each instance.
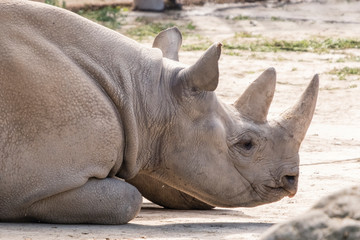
(91, 121)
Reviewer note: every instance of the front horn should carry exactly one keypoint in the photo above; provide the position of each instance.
(296, 120)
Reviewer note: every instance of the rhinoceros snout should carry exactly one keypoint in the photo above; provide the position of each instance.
(290, 183)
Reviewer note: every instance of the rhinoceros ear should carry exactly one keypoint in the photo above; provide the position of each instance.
(169, 41)
(296, 120)
(254, 103)
(204, 74)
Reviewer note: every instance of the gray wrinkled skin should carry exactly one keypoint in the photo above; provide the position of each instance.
(334, 217)
(84, 108)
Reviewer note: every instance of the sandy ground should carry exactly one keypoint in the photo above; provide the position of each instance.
(330, 154)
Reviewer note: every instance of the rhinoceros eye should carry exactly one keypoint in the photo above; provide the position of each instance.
(247, 145)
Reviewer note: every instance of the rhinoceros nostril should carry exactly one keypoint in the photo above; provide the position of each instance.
(290, 184)
(290, 179)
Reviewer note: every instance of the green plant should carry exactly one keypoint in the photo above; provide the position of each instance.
(245, 35)
(232, 53)
(52, 2)
(350, 58)
(190, 26)
(343, 72)
(108, 16)
(240, 18)
(202, 46)
(353, 86)
(56, 3)
(276, 19)
(341, 43)
(151, 29)
(305, 45)
(148, 29)
(257, 56)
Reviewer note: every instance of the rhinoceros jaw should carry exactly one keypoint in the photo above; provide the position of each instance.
(277, 193)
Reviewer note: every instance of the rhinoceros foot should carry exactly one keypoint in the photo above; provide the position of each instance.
(98, 201)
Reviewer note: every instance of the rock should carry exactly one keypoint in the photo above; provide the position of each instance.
(334, 217)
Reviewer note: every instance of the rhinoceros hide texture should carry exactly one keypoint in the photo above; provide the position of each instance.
(91, 121)
(334, 217)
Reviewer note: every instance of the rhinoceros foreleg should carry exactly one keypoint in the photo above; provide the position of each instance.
(166, 196)
(99, 201)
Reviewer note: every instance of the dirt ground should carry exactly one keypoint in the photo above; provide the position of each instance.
(330, 153)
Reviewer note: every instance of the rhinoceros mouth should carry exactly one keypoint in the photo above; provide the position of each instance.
(272, 194)
(281, 192)
(267, 191)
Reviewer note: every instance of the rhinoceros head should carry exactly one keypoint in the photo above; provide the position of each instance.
(228, 155)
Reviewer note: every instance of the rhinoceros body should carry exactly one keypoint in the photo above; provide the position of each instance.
(84, 108)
